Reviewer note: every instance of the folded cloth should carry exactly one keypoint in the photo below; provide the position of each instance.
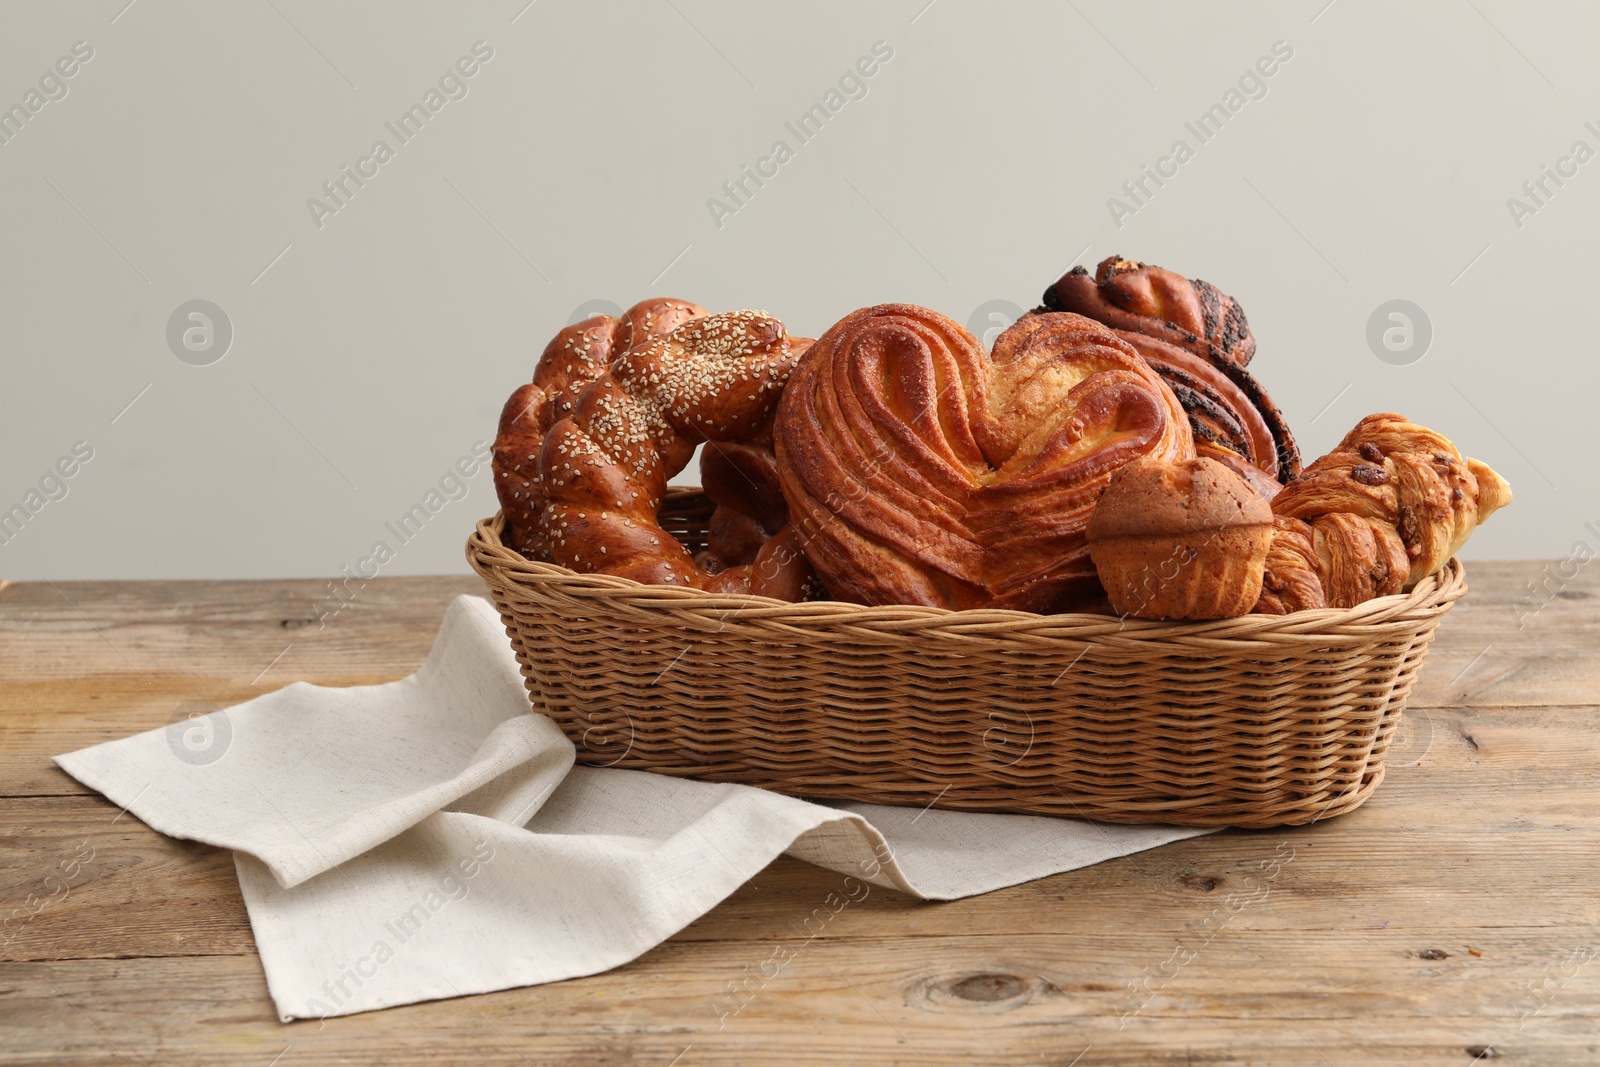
(432, 837)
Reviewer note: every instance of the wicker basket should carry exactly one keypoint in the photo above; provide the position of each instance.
(1257, 721)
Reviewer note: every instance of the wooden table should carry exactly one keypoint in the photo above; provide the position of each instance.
(1453, 918)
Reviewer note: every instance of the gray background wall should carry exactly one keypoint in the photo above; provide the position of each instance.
(369, 353)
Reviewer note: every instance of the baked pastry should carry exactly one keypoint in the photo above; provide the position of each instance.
(1152, 301)
(605, 465)
(1336, 560)
(1199, 341)
(1388, 506)
(920, 469)
(741, 479)
(1291, 580)
(573, 359)
(1180, 539)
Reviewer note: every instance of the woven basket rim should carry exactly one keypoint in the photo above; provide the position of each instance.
(1429, 596)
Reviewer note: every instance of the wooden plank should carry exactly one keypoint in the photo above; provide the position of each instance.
(1505, 675)
(140, 631)
(1421, 928)
(181, 898)
(1269, 998)
(68, 862)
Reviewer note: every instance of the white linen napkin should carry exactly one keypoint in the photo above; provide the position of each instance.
(432, 837)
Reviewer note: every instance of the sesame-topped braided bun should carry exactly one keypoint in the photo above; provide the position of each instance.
(606, 464)
(574, 357)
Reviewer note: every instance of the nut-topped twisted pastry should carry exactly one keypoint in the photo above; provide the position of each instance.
(1199, 341)
(606, 464)
(1337, 560)
(920, 469)
(1292, 579)
(576, 356)
(1388, 506)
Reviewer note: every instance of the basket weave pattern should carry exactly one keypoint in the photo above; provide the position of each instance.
(1256, 721)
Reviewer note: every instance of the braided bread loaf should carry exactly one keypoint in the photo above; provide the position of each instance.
(606, 464)
(573, 359)
(1388, 506)
(921, 469)
(1198, 340)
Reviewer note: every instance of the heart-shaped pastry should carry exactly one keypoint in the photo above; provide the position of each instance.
(920, 469)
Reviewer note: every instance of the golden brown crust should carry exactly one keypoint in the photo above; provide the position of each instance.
(1494, 492)
(921, 470)
(1266, 485)
(1159, 497)
(1197, 338)
(1200, 575)
(1341, 481)
(574, 358)
(606, 464)
(741, 479)
(1358, 558)
(1180, 539)
(1144, 298)
(1388, 506)
(1407, 477)
(516, 467)
(1291, 580)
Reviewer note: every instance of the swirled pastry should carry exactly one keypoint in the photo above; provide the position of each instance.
(606, 464)
(1152, 301)
(1199, 341)
(1388, 506)
(573, 359)
(920, 469)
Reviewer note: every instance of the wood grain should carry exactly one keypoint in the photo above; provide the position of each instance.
(1439, 920)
